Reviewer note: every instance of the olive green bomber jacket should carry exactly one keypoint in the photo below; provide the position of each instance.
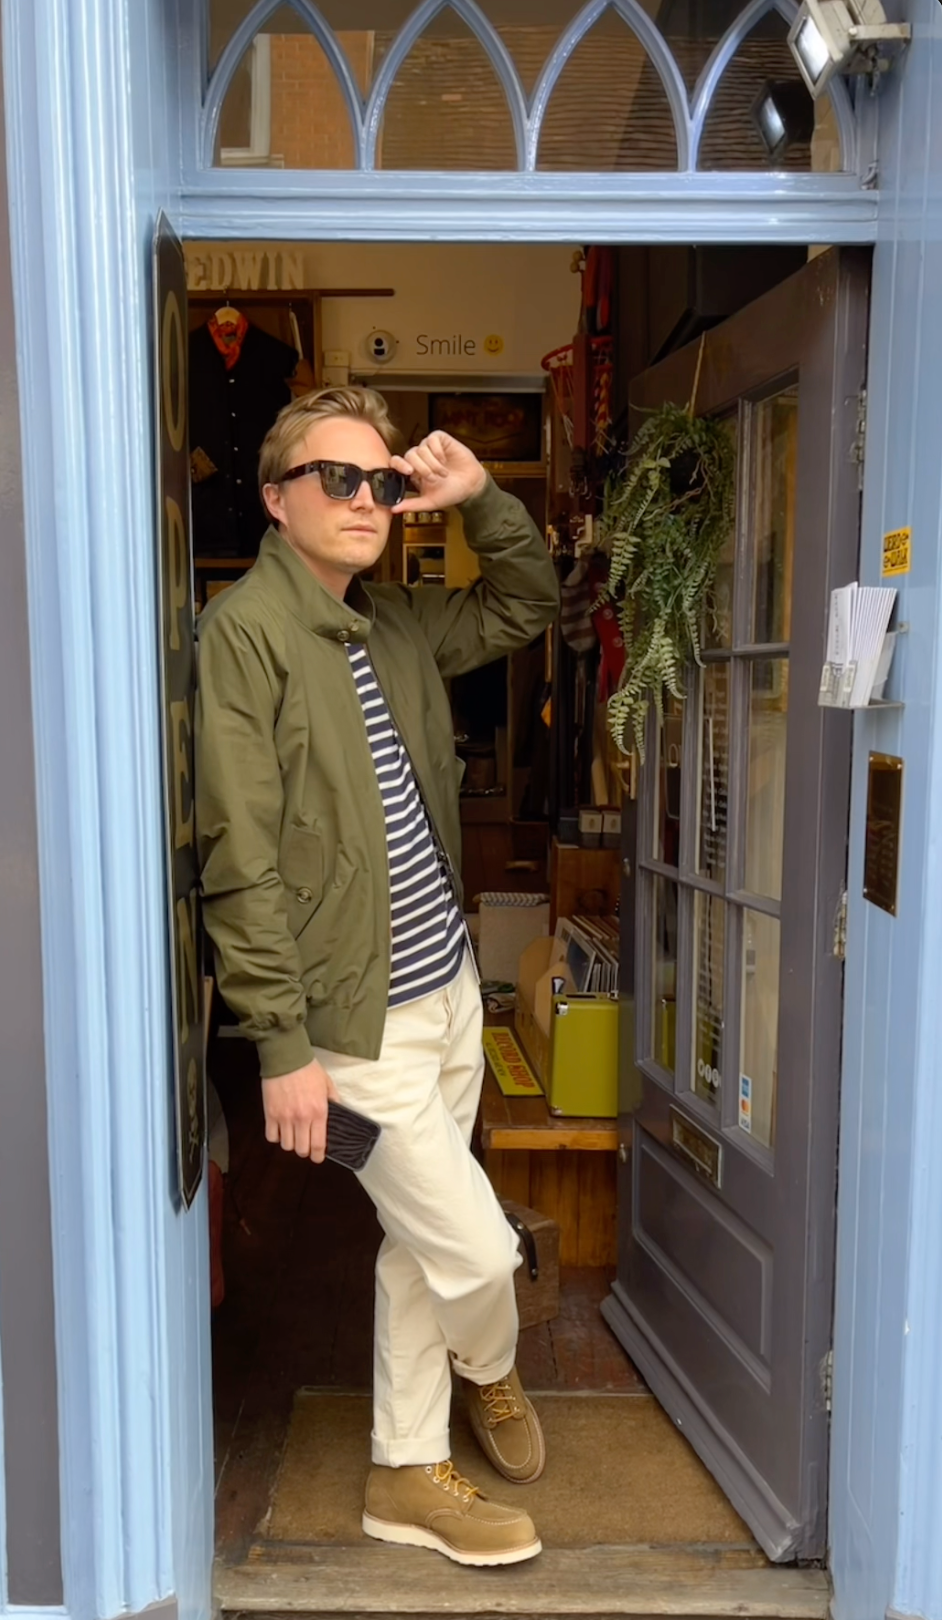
(290, 823)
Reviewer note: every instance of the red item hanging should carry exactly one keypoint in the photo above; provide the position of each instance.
(228, 337)
(612, 644)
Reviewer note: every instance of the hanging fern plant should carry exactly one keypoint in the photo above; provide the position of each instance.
(665, 520)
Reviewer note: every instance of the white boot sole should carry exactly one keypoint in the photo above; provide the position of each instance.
(412, 1535)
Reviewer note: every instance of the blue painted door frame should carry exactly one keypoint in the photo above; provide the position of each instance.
(104, 113)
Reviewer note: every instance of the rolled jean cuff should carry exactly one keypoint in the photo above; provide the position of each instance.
(415, 1453)
(486, 1375)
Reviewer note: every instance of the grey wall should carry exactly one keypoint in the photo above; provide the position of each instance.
(27, 1323)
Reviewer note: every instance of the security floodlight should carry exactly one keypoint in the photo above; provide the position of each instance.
(843, 36)
(783, 115)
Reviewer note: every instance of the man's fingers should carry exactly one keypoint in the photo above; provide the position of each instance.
(286, 1137)
(423, 456)
(302, 1141)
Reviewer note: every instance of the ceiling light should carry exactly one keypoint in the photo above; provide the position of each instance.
(783, 115)
(843, 36)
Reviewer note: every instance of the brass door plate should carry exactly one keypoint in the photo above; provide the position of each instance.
(697, 1147)
(881, 848)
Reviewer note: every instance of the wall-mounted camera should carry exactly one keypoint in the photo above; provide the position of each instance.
(381, 346)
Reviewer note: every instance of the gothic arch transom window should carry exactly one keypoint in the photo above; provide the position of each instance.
(485, 86)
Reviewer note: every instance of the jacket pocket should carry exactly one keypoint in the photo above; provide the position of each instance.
(301, 865)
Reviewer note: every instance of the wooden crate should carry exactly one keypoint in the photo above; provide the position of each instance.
(537, 1298)
(583, 882)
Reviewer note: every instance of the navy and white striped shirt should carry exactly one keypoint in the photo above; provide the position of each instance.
(428, 932)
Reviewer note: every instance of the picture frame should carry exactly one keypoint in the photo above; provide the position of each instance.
(495, 426)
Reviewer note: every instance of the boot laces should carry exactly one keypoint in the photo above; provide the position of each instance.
(499, 1401)
(447, 1476)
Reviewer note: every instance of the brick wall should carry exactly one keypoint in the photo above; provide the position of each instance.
(310, 127)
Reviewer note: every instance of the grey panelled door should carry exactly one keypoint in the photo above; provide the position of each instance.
(729, 1123)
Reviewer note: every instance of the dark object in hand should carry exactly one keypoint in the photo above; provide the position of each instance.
(351, 1137)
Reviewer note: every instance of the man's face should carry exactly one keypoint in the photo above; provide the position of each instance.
(336, 539)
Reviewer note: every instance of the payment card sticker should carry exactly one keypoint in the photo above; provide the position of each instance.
(745, 1104)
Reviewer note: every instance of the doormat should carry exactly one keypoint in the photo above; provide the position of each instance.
(508, 1064)
(618, 1473)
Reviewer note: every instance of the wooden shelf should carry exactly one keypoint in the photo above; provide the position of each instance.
(525, 1124)
(565, 1168)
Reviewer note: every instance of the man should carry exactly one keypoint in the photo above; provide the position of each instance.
(330, 844)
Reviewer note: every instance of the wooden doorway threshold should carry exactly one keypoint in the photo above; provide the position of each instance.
(632, 1581)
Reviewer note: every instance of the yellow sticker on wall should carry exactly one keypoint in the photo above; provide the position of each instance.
(897, 551)
(509, 1066)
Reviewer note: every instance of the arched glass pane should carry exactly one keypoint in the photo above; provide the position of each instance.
(226, 15)
(529, 29)
(447, 108)
(355, 28)
(285, 109)
(693, 28)
(761, 117)
(609, 110)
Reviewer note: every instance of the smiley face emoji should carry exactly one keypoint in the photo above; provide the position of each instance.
(493, 344)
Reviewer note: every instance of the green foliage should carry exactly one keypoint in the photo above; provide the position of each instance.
(665, 519)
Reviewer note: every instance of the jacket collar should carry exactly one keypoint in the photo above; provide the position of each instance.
(282, 570)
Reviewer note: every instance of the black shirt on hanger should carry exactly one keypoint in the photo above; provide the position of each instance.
(230, 413)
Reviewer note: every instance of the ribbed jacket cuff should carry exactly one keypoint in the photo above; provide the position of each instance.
(283, 1051)
(482, 511)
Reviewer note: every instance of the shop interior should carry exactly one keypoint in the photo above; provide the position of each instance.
(528, 354)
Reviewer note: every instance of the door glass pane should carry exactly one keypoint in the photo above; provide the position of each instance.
(667, 784)
(775, 441)
(758, 1061)
(714, 770)
(765, 799)
(709, 946)
(718, 628)
(664, 1011)
(608, 110)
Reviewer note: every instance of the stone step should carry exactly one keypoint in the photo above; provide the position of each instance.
(641, 1582)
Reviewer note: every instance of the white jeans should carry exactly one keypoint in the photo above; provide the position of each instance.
(444, 1274)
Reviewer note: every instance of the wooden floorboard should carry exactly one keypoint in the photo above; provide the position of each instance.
(597, 1581)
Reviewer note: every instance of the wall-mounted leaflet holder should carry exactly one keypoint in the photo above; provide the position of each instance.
(860, 648)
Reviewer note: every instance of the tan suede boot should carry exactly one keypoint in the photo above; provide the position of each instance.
(433, 1506)
(507, 1428)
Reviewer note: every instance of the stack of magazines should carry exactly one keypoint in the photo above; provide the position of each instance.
(591, 951)
(859, 648)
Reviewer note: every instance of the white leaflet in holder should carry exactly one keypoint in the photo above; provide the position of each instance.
(860, 647)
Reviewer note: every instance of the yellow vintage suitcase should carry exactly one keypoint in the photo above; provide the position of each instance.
(583, 1062)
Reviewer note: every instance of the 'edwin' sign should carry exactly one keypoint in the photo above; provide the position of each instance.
(178, 682)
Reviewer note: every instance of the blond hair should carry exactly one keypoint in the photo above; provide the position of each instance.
(291, 425)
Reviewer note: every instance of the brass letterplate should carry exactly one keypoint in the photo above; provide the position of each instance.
(881, 849)
(697, 1146)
